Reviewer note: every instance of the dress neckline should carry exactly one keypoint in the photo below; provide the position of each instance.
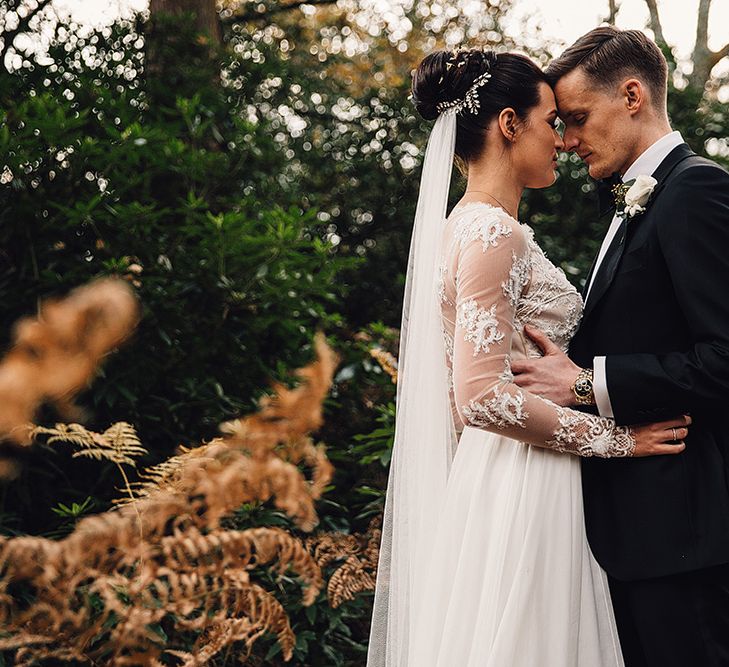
(458, 208)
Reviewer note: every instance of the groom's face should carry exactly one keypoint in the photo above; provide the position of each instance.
(597, 125)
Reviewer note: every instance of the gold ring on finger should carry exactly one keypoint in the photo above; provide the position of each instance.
(674, 433)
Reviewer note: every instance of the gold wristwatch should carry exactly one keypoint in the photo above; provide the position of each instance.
(582, 388)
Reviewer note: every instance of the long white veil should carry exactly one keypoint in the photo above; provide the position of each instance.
(425, 437)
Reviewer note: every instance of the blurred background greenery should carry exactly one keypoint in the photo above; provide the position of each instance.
(251, 168)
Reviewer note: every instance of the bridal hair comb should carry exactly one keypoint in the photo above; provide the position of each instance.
(470, 100)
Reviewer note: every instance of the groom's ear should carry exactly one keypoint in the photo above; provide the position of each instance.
(634, 93)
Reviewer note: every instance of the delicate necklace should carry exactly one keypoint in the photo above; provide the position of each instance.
(483, 192)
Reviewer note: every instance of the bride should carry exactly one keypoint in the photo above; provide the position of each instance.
(484, 559)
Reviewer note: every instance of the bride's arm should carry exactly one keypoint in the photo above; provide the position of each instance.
(491, 274)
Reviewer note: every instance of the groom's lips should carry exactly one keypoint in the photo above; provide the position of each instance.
(585, 156)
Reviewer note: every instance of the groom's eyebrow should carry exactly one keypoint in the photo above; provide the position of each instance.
(564, 113)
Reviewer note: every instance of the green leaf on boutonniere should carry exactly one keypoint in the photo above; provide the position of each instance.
(619, 191)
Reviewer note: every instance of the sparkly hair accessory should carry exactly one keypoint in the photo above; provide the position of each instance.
(470, 101)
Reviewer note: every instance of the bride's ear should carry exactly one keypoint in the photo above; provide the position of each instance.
(508, 122)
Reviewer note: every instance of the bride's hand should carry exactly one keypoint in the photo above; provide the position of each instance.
(661, 437)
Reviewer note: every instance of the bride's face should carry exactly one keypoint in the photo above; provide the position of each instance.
(537, 145)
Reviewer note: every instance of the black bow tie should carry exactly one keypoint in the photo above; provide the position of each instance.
(605, 195)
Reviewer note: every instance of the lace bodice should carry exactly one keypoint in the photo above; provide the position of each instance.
(494, 279)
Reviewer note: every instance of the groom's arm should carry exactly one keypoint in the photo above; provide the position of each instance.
(643, 387)
(694, 237)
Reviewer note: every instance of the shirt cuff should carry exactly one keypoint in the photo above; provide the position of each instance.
(599, 387)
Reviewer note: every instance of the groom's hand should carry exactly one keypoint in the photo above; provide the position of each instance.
(550, 376)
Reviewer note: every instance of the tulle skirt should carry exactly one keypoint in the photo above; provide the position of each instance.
(511, 581)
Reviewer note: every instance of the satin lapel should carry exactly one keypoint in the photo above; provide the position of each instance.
(606, 204)
(614, 254)
(588, 280)
(607, 269)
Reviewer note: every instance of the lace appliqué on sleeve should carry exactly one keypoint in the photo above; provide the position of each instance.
(480, 325)
(588, 435)
(440, 283)
(521, 269)
(504, 409)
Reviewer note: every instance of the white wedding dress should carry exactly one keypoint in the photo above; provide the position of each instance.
(510, 580)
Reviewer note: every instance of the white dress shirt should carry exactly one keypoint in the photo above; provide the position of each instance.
(646, 164)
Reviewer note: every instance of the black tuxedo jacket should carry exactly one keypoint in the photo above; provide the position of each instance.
(659, 312)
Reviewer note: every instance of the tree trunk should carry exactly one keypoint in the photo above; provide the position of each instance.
(703, 58)
(182, 53)
(205, 12)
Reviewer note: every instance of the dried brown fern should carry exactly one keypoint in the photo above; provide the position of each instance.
(101, 592)
(55, 354)
(359, 552)
(118, 444)
(387, 361)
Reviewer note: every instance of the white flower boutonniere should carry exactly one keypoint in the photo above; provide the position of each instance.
(632, 197)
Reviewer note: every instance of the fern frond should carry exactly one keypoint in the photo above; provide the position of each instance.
(122, 438)
(118, 444)
(103, 593)
(74, 434)
(54, 355)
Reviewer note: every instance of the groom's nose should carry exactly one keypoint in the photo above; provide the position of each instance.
(570, 139)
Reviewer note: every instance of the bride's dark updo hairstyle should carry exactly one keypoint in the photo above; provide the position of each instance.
(444, 76)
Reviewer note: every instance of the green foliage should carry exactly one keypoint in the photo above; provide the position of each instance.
(69, 515)
(251, 196)
(76, 509)
(178, 197)
(377, 445)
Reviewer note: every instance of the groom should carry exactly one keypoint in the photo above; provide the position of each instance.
(653, 343)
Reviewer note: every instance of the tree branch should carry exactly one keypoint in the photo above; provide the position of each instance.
(655, 22)
(614, 9)
(704, 58)
(23, 24)
(716, 56)
(277, 9)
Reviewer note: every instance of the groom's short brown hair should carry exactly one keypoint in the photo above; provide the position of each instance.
(608, 55)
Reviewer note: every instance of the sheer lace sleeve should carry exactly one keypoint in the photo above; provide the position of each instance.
(491, 273)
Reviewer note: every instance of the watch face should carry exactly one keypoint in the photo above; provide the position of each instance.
(583, 387)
